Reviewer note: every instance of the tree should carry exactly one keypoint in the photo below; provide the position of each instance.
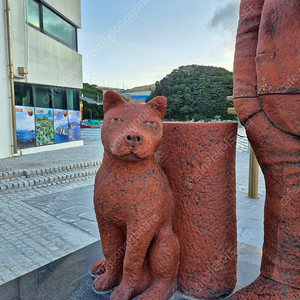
(91, 91)
(196, 93)
(97, 111)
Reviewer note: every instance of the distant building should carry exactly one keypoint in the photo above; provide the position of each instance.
(47, 72)
(139, 97)
(89, 100)
(105, 89)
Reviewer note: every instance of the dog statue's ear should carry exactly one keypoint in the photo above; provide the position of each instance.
(159, 103)
(111, 99)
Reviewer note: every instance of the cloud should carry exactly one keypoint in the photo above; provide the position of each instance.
(226, 17)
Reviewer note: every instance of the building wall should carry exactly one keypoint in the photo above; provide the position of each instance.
(5, 119)
(19, 34)
(48, 61)
(71, 9)
(52, 63)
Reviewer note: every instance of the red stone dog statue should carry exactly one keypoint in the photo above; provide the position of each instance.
(133, 204)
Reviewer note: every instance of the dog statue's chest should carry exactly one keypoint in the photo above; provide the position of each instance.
(118, 198)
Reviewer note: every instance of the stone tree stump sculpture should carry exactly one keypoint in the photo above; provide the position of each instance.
(199, 160)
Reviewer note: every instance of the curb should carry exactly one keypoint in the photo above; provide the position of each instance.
(35, 178)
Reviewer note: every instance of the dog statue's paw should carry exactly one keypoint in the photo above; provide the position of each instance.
(98, 267)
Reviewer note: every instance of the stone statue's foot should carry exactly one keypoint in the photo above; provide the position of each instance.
(267, 289)
(126, 291)
(98, 267)
(105, 283)
(159, 290)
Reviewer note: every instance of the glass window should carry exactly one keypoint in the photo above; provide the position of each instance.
(34, 14)
(23, 94)
(73, 100)
(59, 28)
(60, 98)
(43, 97)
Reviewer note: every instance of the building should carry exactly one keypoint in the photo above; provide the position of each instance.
(40, 94)
(138, 97)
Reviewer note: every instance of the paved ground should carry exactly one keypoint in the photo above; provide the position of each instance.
(28, 175)
(34, 223)
(91, 151)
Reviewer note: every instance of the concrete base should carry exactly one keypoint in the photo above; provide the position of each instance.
(52, 147)
(68, 278)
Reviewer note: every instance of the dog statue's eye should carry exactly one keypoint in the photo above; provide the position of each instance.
(150, 123)
(116, 120)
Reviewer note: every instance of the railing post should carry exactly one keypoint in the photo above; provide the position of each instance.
(253, 175)
(253, 163)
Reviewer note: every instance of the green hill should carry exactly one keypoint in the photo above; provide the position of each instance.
(196, 93)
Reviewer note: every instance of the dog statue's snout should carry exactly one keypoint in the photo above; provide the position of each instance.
(134, 139)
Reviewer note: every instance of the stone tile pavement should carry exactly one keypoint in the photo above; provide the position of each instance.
(31, 238)
(74, 207)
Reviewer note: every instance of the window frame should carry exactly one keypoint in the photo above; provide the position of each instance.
(41, 29)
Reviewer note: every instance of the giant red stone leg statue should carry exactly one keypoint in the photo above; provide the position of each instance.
(267, 100)
(278, 155)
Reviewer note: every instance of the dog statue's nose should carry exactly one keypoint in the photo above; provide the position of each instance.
(133, 139)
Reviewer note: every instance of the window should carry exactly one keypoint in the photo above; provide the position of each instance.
(60, 98)
(46, 96)
(23, 95)
(43, 97)
(59, 28)
(34, 14)
(52, 24)
(73, 100)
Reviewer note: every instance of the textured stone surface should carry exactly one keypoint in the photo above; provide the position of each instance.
(133, 203)
(267, 289)
(267, 100)
(199, 160)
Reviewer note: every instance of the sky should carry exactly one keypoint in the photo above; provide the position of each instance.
(128, 43)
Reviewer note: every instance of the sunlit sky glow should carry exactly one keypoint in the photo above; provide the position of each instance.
(138, 42)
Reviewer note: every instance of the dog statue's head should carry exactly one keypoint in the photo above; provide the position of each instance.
(132, 131)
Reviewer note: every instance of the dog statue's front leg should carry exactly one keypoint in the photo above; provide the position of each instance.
(136, 276)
